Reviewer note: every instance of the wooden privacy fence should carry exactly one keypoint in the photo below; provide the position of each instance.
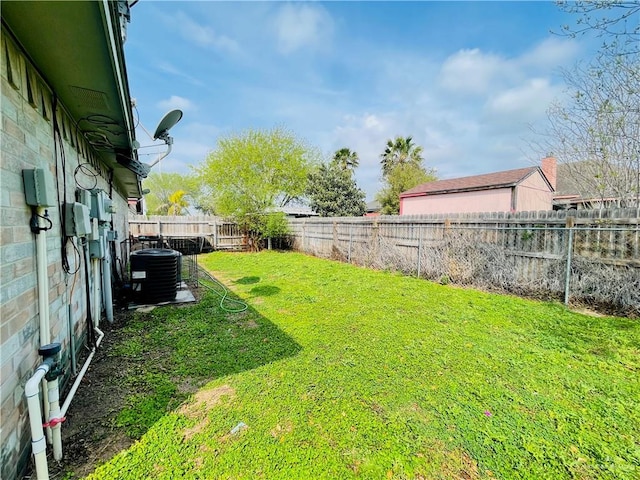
(586, 255)
(213, 233)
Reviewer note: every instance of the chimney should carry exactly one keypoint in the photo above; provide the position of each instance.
(550, 168)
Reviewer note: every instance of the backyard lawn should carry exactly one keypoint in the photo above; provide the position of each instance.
(336, 371)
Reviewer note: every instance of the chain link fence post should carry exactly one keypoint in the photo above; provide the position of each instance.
(419, 249)
(567, 278)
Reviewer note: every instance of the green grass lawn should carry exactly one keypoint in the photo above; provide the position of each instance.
(342, 372)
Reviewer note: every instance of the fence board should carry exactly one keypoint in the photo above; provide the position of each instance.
(216, 233)
(524, 251)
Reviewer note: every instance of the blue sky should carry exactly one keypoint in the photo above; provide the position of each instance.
(466, 79)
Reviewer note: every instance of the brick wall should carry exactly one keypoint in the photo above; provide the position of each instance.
(27, 141)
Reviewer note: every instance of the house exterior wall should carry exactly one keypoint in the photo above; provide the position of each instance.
(533, 194)
(27, 141)
(496, 200)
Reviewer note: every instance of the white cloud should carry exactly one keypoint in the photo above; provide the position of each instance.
(471, 71)
(528, 101)
(302, 26)
(167, 67)
(550, 53)
(174, 102)
(203, 35)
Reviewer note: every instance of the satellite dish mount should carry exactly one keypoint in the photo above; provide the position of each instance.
(162, 133)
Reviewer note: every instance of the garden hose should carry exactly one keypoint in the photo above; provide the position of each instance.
(224, 296)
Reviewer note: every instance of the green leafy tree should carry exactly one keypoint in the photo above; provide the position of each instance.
(400, 179)
(332, 191)
(254, 173)
(402, 169)
(169, 194)
(274, 225)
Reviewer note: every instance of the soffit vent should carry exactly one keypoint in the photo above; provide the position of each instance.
(92, 99)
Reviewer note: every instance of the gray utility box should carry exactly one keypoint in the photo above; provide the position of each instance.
(39, 190)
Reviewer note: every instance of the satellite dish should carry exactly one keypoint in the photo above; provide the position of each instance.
(167, 122)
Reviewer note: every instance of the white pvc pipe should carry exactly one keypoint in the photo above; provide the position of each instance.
(43, 299)
(54, 414)
(72, 392)
(38, 443)
(72, 340)
(97, 310)
(106, 281)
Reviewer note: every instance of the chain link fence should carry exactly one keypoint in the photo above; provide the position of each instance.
(596, 263)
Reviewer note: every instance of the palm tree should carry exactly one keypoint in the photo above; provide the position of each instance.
(177, 203)
(346, 159)
(399, 151)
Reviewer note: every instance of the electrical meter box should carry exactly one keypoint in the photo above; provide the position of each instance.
(100, 205)
(77, 221)
(38, 187)
(97, 245)
(96, 248)
(84, 196)
(108, 206)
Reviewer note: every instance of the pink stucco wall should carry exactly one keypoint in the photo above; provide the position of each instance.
(533, 194)
(496, 200)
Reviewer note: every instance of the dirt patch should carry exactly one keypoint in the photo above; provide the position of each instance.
(249, 324)
(206, 399)
(201, 403)
(90, 435)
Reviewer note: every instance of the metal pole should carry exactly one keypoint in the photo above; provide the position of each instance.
(567, 278)
(350, 240)
(419, 248)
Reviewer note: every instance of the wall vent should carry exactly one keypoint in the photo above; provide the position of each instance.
(93, 99)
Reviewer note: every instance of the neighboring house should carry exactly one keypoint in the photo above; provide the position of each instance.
(297, 211)
(522, 189)
(67, 128)
(583, 185)
(373, 209)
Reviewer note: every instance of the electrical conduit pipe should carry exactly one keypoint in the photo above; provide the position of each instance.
(57, 455)
(97, 303)
(106, 280)
(55, 417)
(31, 391)
(43, 298)
(38, 443)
